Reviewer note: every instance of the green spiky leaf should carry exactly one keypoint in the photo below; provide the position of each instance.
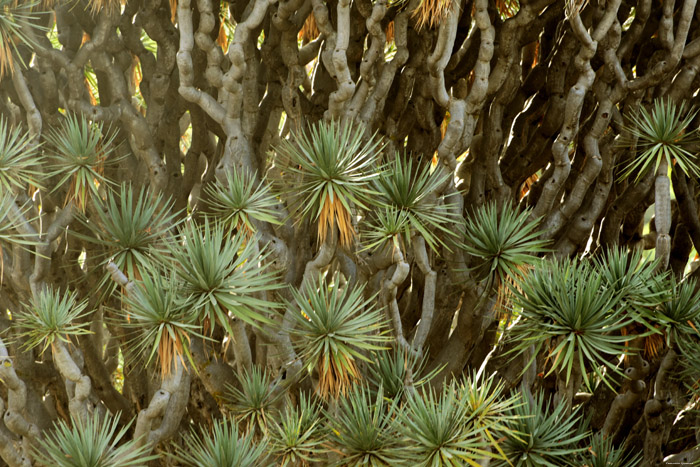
(17, 19)
(162, 321)
(602, 453)
(502, 242)
(52, 316)
(412, 189)
(131, 230)
(663, 134)
(335, 167)
(79, 151)
(223, 273)
(335, 326)
(92, 442)
(298, 435)
(19, 160)
(239, 202)
(565, 309)
(392, 367)
(254, 402)
(365, 429)
(224, 447)
(540, 435)
(439, 430)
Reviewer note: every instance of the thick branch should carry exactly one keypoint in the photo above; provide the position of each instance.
(428, 308)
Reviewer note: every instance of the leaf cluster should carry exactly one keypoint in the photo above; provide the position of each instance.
(92, 442)
(664, 133)
(79, 150)
(335, 327)
(565, 309)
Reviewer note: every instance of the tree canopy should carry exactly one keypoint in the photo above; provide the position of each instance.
(334, 232)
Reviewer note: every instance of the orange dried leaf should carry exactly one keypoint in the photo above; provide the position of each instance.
(309, 31)
(222, 38)
(431, 13)
(390, 32)
(334, 380)
(173, 10)
(334, 213)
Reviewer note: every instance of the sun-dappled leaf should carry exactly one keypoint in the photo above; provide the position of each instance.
(298, 435)
(440, 431)
(365, 429)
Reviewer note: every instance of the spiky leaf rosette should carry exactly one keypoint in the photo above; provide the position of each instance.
(502, 242)
(439, 430)
(335, 167)
(679, 316)
(602, 453)
(385, 226)
(504, 246)
(412, 189)
(17, 20)
(223, 273)
(79, 151)
(92, 442)
(634, 280)
(541, 436)
(223, 447)
(364, 429)
(663, 134)
(564, 307)
(335, 326)
(130, 229)
(51, 316)
(18, 159)
(7, 224)
(640, 289)
(392, 367)
(254, 402)
(240, 201)
(488, 406)
(298, 434)
(161, 320)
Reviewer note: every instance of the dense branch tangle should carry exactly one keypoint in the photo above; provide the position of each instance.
(518, 105)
